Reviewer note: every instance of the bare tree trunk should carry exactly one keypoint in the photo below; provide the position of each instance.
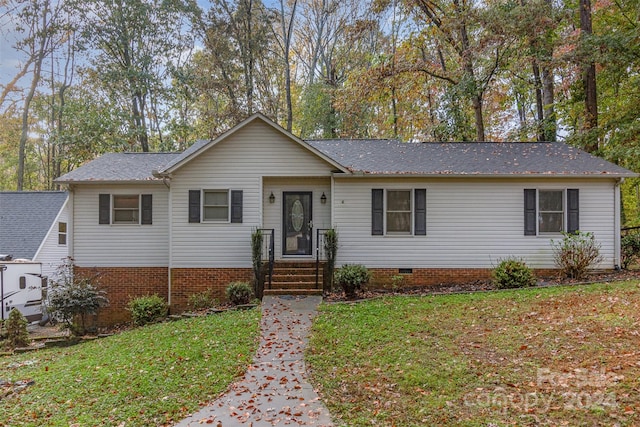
(550, 128)
(38, 56)
(589, 78)
(287, 33)
(539, 101)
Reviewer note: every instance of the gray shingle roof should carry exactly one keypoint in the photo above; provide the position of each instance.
(388, 157)
(382, 157)
(114, 167)
(186, 153)
(25, 219)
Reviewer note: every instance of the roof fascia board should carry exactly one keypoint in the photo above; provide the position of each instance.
(241, 125)
(98, 182)
(358, 174)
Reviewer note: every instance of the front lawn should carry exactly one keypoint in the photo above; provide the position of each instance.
(540, 356)
(150, 376)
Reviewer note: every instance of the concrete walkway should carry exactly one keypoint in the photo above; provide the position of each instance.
(274, 391)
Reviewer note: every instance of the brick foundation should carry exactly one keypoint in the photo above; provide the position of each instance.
(188, 281)
(383, 277)
(122, 284)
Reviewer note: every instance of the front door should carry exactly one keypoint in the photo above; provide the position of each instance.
(296, 223)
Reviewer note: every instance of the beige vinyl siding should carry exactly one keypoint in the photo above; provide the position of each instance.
(50, 253)
(119, 245)
(238, 162)
(470, 223)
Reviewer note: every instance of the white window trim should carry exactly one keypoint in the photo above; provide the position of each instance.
(113, 209)
(202, 206)
(539, 212)
(66, 234)
(411, 209)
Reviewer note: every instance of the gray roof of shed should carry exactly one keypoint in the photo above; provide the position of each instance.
(25, 219)
(391, 157)
(119, 167)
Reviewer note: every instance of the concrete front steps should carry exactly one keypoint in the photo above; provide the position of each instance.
(294, 278)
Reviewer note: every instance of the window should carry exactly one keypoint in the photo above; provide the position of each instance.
(549, 211)
(215, 206)
(62, 233)
(125, 209)
(398, 212)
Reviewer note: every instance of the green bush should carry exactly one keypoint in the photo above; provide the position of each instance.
(147, 309)
(239, 293)
(513, 273)
(575, 253)
(351, 278)
(202, 300)
(331, 253)
(16, 326)
(630, 248)
(72, 299)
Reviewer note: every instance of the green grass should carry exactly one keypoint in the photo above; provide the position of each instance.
(541, 356)
(150, 376)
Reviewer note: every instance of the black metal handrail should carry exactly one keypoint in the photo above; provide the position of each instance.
(268, 248)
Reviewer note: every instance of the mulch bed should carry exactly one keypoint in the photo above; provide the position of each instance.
(484, 285)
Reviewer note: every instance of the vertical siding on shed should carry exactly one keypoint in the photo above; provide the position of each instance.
(471, 223)
(120, 245)
(239, 162)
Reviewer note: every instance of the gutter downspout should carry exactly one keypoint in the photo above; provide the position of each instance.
(616, 223)
(166, 180)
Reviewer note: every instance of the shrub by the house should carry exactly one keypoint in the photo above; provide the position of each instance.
(202, 300)
(575, 253)
(513, 273)
(73, 299)
(630, 247)
(147, 309)
(351, 278)
(239, 293)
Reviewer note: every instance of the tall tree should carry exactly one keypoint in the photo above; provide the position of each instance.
(284, 36)
(40, 21)
(588, 78)
(136, 41)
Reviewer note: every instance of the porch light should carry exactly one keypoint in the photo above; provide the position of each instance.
(323, 198)
(272, 198)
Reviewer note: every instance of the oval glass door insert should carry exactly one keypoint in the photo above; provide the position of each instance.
(297, 215)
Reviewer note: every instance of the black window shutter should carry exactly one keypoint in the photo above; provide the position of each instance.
(420, 205)
(194, 205)
(104, 208)
(573, 210)
(147, 209)
(530, 212)
(377, 212)
(236, 206)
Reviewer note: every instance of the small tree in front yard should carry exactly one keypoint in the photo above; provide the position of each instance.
(74, 299)
(575, 253)
(16, 326)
